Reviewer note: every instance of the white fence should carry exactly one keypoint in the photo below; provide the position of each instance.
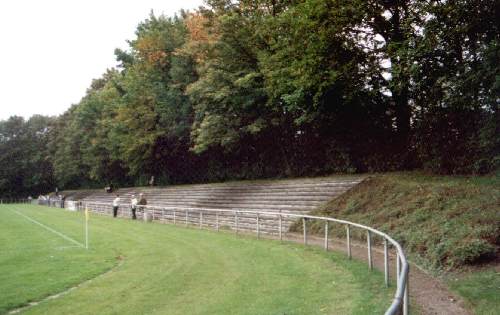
(13, 200)
(271, 224)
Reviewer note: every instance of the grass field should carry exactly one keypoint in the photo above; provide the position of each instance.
(145, 268)
(480, 290)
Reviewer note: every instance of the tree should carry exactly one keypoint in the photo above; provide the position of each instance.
(154, 115)
(455, 81)
(25, 165)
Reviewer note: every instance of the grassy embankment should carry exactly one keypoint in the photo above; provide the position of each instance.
(447, 224)
(165, 269)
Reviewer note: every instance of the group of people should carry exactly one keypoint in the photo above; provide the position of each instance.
(53, 201)
(134, 203)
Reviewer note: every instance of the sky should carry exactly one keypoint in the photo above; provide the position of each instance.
(51, 50)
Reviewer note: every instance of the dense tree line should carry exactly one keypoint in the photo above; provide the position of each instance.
(274, 88)
(25, 163)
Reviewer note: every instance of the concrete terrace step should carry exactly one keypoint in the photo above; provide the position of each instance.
(246, 186)
(325, 195)
(223, 203)
(284, 193)
(226, 198)
(240, 185)
(267, 208)
(243, 199)
(267, 191)
(287, 196)
(318, 188)
(230, 188)
(253, 198)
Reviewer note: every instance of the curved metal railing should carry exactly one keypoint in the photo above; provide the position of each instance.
(216, 218)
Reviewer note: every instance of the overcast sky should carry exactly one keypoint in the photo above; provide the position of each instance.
(50, 50)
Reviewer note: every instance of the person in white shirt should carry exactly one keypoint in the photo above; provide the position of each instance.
(116, 204)
(133, 206)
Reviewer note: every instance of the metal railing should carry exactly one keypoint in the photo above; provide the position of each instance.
(13, 200)
(52, 202)
(261, 222)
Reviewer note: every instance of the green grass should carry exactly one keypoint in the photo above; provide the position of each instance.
(139, 268)
(480, 290)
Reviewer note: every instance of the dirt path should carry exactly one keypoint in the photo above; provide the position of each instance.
(430, 294)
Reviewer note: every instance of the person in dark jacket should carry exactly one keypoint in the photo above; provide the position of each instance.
(63, 199)
(116, 204)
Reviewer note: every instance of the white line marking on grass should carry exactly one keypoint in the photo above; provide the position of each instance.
(66, 247)
(48, 228)
(57, 295)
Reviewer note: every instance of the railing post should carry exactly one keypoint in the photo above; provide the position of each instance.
(201, 218)
(398, 270)
(304, 226)
(217, 220)
(175, 217)
(258, 226)
(369, 243)
(348, 235)
(406, 298)
(187, 214)
(236, 221)
(386, 263)
(281, 227)
(326, 235)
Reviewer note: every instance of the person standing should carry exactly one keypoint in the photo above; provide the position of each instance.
(133, 206)
(142, 202)
(116, 204)
(63, 199)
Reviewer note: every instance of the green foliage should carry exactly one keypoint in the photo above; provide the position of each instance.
(456, 88)
(152, 109)
(228, 97)
(261, 88)
(25, 161)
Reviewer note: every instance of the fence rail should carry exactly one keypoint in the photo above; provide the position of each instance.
(271, 223)
(15, 201)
